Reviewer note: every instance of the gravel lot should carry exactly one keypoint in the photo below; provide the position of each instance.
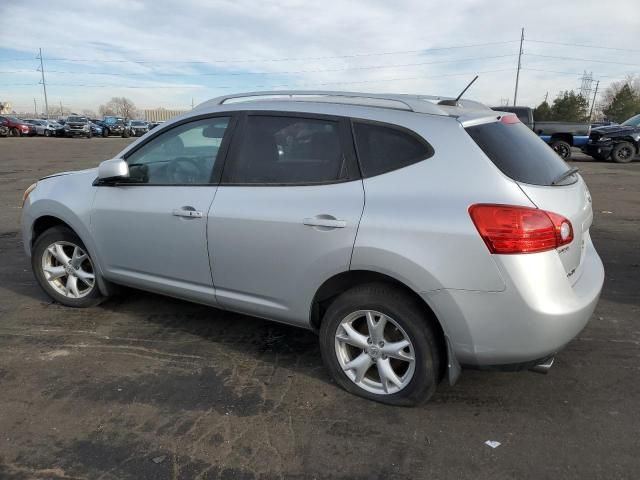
(146, 387)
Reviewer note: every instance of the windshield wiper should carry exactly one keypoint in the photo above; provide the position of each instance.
(562, 176)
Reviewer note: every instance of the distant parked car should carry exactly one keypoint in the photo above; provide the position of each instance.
(620, 143)
(17, 127)
(560, 136)
(77, 126)
(114, 126)
(95, 129)
(46, 127)
(137, 128)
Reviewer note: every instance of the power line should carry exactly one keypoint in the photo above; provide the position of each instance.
(258, 60)
(279, 72)
(585, 46)
(382, 80)
(582, 59)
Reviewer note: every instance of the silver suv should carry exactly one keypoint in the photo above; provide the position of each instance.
(416, 235)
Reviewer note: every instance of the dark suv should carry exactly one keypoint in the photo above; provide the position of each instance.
(114, 126)
(621, 142)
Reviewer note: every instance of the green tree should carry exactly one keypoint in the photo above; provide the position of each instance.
(569, 107)
(624, 104)
(542, 112)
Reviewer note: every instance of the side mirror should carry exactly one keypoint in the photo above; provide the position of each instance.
(113, 169)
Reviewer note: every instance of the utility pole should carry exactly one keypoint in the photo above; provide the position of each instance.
(44, 85)
(35, 107)
(546, 97)
(594, 100)
(515, 94)
(191, 103)
(61, 111)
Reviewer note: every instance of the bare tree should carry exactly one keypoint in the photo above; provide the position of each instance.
(120, 106)
(89, 113)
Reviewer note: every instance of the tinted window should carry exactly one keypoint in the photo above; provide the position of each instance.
(182, 155)
(383, 148)
(287, 150)
(519, 153)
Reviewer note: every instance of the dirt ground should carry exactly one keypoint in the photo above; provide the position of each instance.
(146, 387)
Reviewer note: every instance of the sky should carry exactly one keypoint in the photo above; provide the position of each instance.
(167, 53)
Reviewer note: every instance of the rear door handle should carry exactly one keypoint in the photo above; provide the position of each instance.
(188, 212)
(331, 222)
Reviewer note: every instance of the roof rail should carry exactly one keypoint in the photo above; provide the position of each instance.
(399, 101)
(374, 99)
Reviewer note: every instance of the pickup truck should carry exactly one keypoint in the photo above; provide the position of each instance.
(560, 136)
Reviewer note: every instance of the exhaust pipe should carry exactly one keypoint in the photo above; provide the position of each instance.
(543, 367)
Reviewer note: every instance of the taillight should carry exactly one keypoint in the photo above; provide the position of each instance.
(510, 229)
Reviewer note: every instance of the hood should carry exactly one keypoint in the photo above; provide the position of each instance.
(616, 129)
(71, 172)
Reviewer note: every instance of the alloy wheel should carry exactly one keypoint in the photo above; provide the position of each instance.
(375, 352)
(68, 269)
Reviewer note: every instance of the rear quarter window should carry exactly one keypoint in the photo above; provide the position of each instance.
(382, 148)
(519, 153)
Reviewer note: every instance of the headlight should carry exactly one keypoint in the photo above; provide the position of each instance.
(604, 139)
(26, 193)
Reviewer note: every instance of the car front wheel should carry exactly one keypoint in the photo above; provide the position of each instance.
(378, 342)
(64, 269)
(623, 152)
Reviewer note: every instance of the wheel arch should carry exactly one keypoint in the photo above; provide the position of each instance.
(343, 281)
(565, 137)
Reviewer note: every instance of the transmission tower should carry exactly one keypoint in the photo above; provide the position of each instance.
(587, 82)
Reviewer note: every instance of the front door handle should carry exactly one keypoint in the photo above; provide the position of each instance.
(188, 212)
(326, 221)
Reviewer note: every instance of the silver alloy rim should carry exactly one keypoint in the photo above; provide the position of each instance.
(375, 352)
(68, 269)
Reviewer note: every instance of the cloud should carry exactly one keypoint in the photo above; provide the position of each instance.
(140, 48)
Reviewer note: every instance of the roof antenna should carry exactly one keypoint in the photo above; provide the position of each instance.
(454, 103)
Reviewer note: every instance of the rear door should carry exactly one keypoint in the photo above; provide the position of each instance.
(523, 157)
(285, 215)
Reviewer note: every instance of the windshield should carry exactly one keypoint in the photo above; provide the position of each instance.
(632, 122)
(138, 123)
(77, 119)
(114, 120)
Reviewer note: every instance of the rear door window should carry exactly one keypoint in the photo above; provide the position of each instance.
(285, 150)
(382, 148)
(519, 153)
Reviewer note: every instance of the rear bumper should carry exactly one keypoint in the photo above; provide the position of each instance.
(533, 318)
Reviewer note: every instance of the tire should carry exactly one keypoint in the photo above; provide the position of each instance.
(418, 379)
(89, 135)
(562, 148)
(125, 134)
(105, 132)
(88, 291)
(15, 132)
(623, 152)
(47, 133)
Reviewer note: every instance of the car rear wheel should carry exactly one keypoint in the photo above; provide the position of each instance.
(64, 269)
(378, 342)
(47, 133)
(623, 152)
(562, 148)
(15, 132)
(105, 132)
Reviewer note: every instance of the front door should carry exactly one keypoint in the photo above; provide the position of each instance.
(151, 231)
(285, 215)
